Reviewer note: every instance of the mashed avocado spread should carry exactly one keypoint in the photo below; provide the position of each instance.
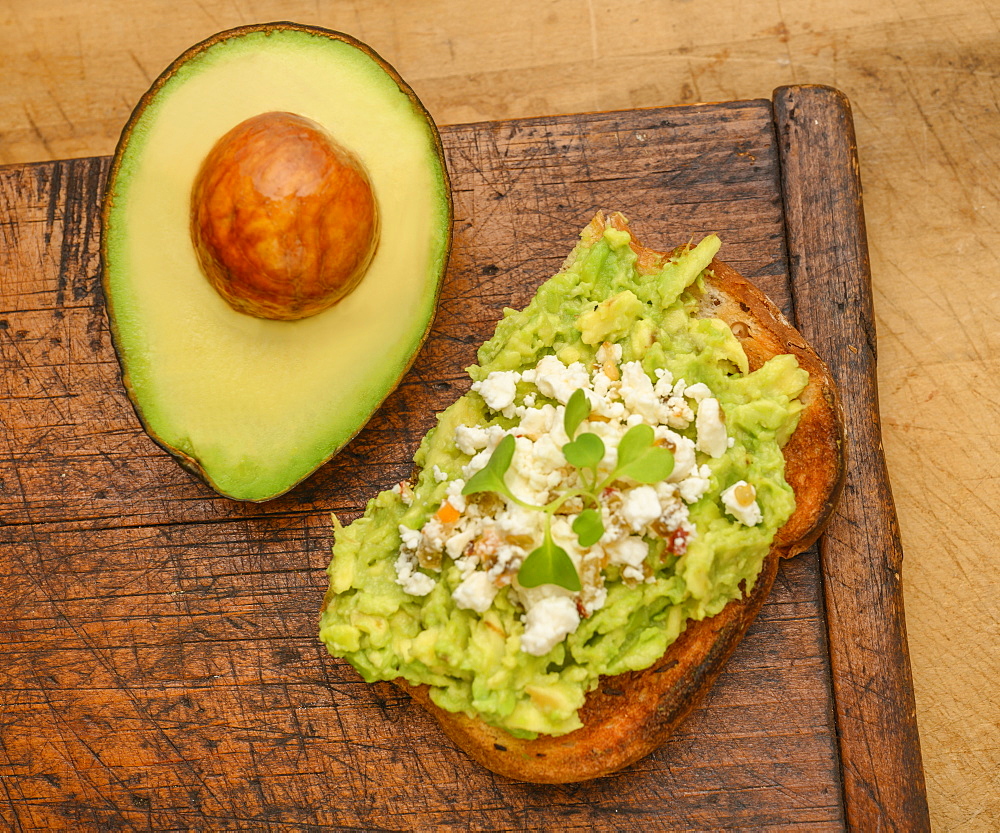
(554, 536)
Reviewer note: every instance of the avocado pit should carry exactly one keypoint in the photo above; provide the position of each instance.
(283, 218)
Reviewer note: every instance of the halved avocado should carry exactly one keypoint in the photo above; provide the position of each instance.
(253, 405)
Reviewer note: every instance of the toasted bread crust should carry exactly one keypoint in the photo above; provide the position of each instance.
(628, 716)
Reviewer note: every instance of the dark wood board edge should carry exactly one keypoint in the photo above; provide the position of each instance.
(861, 553)
(868, 780)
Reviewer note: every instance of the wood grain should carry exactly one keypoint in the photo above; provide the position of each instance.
(163, 667)
(861, 551)
(924, 80)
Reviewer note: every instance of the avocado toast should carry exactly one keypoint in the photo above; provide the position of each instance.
(592, 528)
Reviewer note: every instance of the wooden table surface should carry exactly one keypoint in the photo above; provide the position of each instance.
(923, 77)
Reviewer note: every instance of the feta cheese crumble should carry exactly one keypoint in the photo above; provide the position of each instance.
(498, 391)
(740, 501)
(476, 592)
(489, 536)
(712, 436)
(409, 578)
(548, 623)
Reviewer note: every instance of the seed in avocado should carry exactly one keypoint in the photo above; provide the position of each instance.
(283, 218)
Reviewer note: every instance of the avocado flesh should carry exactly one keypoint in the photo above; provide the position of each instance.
(252, 405)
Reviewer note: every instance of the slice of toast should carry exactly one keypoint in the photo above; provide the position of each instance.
(628, 716)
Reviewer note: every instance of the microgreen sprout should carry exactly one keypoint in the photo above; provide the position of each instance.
(588, 527)
(549, 564)
(638, 459)
(577, 410)
(490, 477)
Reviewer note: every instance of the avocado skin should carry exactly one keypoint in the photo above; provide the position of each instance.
(191, 462)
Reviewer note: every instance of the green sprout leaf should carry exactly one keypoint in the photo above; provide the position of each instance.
(577, 410)
(490, 477)
(588, 527)
(640, 460)
(636, 440)
(549, 564)
(585, 452)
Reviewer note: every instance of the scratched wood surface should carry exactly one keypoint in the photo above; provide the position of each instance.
(924, 78)
(162, 662)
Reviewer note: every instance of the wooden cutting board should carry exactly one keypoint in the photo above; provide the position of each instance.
(163, 668)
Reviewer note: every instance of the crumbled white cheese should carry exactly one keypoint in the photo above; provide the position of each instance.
(410, 537)
(405, 492)
(712, 436)
(678, 412)
(508, 559)
(457, 543)
(455, 496)
(683, 451)
(748, 514)
(547, 452)
(698, 391)
(409, 577)
(637, 393)
(548, 623)
(557, 381)
(640, 507)
(537, 422)
(630, 551)
(477, 463)
(609, 352)
(493, 535)
(593, 599)
(435, 534)
(664, 381)
(694, 486)
(518, 521)
(476, 592)
(605, 402)
(471, 438)
(498, 390)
